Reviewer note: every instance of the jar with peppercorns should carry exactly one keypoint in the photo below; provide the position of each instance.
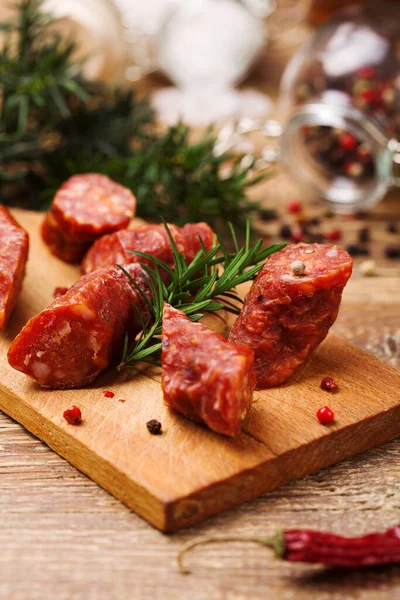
(341, 95)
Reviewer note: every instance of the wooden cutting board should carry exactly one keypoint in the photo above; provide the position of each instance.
(189, 473)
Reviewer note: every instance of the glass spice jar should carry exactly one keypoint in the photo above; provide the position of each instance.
(341, 97)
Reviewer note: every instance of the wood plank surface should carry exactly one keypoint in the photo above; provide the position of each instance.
(189, 473)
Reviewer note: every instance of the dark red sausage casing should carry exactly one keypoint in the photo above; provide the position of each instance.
(117, 248)
(204, 376)
(81, 332)
(14, 255)
(286, 316)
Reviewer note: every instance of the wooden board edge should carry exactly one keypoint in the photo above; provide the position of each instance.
(101, 471)
(370, 432)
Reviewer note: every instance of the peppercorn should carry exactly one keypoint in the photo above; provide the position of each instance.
(392, 251)
(297, 236)
(285, 232)
(295, 207)
(154, 427)
(314, 221)
(355, 250)
(298, 267)
(73, 415)
(393, 227)
(347, 141)
(364, 235)
(334, 235)
(325, 415)
(328, 384)
(368, 268)
(316, 238)
(267, 214)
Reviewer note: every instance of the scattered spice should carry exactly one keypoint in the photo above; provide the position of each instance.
(356, 250)
(154, 427)
(328, 384)
(73, 415)
(368, 268)
(347, 141)
(109, 394)
(298, 267)
(316, 238)
(59, 291)
(121, 400)
(334, 235)
(295, 207)
(393, 227)
(267, 214)
(325, 415)
(392, 251)
(364, 235)
(297, 236)
(314, 221)
(285, 232)
(308, 546)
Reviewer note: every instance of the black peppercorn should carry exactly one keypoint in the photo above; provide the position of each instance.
(392, 251)
(267, 214)
(393, 227)
(154, 426)
(286, 232)
(355, 250)
(364, 235)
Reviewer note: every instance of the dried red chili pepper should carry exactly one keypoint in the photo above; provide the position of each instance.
(296, 545)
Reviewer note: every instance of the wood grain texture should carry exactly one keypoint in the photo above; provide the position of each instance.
(189, 473)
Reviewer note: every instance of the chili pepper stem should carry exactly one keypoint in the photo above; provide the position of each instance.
(276, 542)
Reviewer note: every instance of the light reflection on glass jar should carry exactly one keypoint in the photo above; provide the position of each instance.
(341, 95)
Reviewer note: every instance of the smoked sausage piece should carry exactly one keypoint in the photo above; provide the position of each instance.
(14, 242)
(286, 316)
(204, 376)
(60, 245)
(82, 331)
(91, 205)
(117, 248)
(85, 208)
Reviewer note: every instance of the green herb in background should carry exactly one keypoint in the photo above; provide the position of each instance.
(54, 123)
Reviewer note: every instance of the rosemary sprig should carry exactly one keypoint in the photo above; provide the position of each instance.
(206, 285)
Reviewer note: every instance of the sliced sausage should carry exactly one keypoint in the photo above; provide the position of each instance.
(117, 248)
(85, 208)
(90, 205)
(14, 243)
(81, 332)
(286, 316)
(204, 376)
(60, 245)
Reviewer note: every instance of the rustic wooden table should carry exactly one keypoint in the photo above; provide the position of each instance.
(64, 538)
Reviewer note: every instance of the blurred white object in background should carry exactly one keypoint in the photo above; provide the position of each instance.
(206, 47)
(97, 28)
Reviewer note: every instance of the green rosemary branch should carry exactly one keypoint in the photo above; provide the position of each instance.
(206, 285)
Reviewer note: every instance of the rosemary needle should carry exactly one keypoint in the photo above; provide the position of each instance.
(206, 285)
